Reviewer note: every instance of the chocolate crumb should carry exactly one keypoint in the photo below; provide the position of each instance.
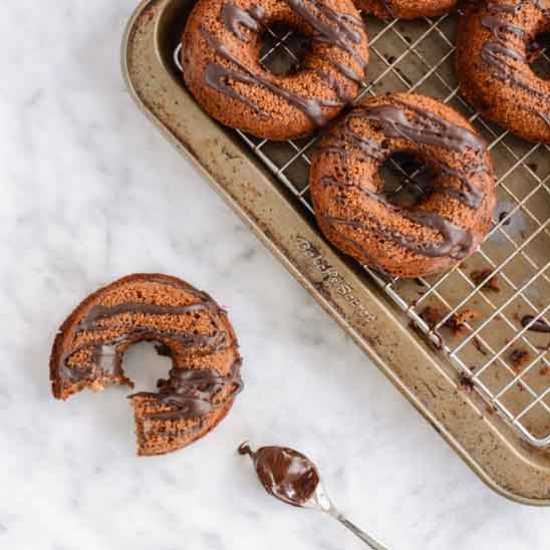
(479, 346)
(502, 216)
(479, 276)
(465, 383)
(518, 358)
(544, 370)
(457, 322)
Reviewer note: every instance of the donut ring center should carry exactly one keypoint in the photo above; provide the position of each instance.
(284, 49)
(407, 181)
(144, 362)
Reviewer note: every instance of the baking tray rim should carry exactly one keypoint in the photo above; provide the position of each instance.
(503, 435)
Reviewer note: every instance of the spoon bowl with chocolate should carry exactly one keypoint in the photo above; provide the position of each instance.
(293, 478)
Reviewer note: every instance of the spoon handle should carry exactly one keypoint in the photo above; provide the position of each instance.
(367, 539)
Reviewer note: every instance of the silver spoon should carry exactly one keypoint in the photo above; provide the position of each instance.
(293, 478)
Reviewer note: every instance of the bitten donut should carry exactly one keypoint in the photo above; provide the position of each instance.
(192, 329)
(406, 9)
(496, 43)
(358, 218)
(222, 69)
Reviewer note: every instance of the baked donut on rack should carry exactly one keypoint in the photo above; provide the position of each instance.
(221, 64)
(497, 41)
(358, 217)
(406, 9)
(191, 328)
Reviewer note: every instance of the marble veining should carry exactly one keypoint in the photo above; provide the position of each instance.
(91, 191)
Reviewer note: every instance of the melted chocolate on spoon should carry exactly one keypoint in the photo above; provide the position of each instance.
(284, 473)
(291, 477)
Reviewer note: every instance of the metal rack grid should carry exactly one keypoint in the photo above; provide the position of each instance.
(494, 355)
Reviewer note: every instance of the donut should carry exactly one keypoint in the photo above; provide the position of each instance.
(496, 43)
(358, 217)
(221, 64)
(188, 325)
(406, 9)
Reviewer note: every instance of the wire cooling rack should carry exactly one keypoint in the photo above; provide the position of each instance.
(474, 312)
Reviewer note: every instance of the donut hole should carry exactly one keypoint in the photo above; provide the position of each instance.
(538, 53)
(146, 362)
(283, 49)
(407, 180)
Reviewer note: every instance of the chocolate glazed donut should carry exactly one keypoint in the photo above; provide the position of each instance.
(221, 66)
(406, 9)
(191, 328)
(496, 43)
(355, 214)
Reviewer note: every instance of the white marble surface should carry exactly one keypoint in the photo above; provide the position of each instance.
(91, 191)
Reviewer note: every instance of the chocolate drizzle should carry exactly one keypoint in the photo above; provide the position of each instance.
(456, 242)
(497, 54)
(501, 55)
(500, 28)
(428, 129)
(346, 138)
(341, 33)
(329, 26)
(284, 473)
(99, 313)
(540, 325)
(234, 16)
(216, 77)
(193, 392)
(334, 84)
